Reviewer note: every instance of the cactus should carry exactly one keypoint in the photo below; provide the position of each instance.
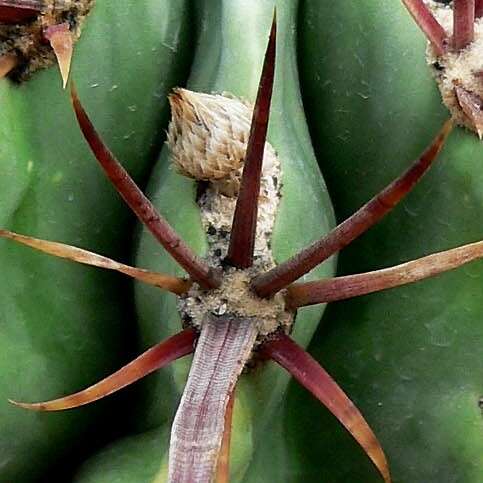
(229, 219)
(59, 325)
(413, 366)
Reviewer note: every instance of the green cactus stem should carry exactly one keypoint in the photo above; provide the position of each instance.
(236, 296)
(226, 342)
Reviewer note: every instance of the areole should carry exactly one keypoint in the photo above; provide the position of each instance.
(34, 34)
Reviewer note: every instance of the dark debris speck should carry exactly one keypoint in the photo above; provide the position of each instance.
(438, 66)
(225, 264)
(187, 319)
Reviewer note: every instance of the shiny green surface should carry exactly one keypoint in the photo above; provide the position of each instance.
(232, 40)
(410, 357)
(63, 326)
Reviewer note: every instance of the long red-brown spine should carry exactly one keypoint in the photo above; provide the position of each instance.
(176, 285)
(224, 346)
(340, 288)
(223, 468)
(307, 371)
(434, 32)
(463, 23)
(279, 277)
(160, 355)
(478, 8)
(198, 270)
(19, 11)
(244, 227)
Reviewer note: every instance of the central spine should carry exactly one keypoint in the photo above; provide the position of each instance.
(224, 346)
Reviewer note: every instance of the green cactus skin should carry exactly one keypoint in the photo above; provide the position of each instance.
(232, 40)
(64, 326)
(411, 357)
